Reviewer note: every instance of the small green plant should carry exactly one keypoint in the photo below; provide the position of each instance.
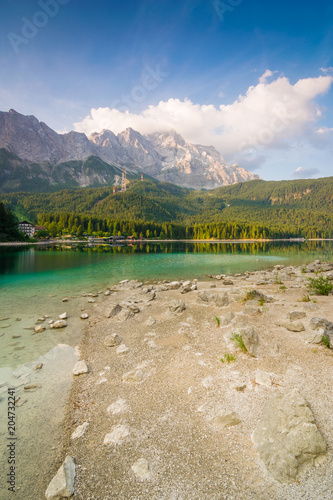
(217, 319)
(237, 338)
(250, 295)
(228, 358)
(277, 280)
(325, 341)
(320, 286)
(305, 298)
(261, 301)
(303, 270)
(283, 287)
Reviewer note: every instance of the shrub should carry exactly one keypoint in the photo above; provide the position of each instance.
(320, 286)
(325, 341)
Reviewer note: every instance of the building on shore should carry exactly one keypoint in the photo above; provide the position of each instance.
(27, 228)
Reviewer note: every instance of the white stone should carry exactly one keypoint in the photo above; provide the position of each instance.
(62, 485)
(117, 435)
(263, 378)
(39, 329)
(61, 323)
(122, 349)
(80, 430)
(63, 316)
(141, 468)
(133, 376)
(80, 368)
(119, 406)
(84, 316)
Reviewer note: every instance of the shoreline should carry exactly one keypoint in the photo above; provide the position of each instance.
(56, 242)
(170, 353)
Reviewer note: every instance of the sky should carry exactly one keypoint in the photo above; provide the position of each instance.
(250, 77)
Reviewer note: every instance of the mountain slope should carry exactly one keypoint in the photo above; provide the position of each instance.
(165, 156)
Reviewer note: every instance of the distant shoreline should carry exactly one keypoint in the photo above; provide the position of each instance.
(62, 242)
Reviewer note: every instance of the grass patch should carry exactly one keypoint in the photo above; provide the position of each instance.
(320, 286)
(228, 358)
(305, 298)
(283, 288)
(239, 341)
(325, 341)
(261, 301)
(250, 295)
(217, 319)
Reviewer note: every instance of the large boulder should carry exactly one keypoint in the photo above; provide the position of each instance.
(62, 485)
(287, 437)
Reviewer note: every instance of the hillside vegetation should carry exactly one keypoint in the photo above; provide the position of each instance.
(288, 208)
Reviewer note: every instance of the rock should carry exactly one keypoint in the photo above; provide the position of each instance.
(125, 314)
(263, 378)
(150, 321)
(328, 334)
(107, 293)
(310, 306)
(84, 316)
(119, 406)
(141, 468)
(91, 301)
(122, 349)
(115, 309)
(287, 437)
(63, 316)
(41, 320)
(227, 419)
(61, 323)
(177, 306)
(228, 282)
(62, 485)
(294, 315)
(39, 366)
(117, 435)
(316, 323)
(251, 340)
(222, 300)
(39, 329)
(186, 287)
(315, 337)
(80, 430)
(80, 367)
(174, 285)
(112, 340)
(65, 299)
(30, 387)
(205, 296)
(133, 376)
(294, 327)
(227, 319)
(150, 296)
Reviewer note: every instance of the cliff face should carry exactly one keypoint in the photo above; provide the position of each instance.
(165, 156)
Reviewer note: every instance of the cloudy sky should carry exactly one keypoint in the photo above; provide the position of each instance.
(251, 77)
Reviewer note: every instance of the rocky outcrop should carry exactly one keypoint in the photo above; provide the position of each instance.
(62, 485)
(287, 437)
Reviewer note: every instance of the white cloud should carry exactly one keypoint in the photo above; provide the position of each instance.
(267, 116)
(305, 173)
(327, 71)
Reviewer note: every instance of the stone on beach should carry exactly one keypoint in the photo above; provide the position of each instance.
(287, 437)
(84, 316)
(294, 327)
(63, 316)
(251, 340)
(133, 376)
(122, 349)
(39, 329)
(113, 311)
(112, 340)
(80, 430)
(62, 485)
(226, 419)
(117, 435)
(177, 306)
(141, 468)
(294, 315)
(80, 367)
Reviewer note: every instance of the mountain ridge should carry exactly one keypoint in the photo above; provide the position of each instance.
(164, 155)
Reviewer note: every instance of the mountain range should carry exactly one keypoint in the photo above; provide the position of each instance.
(35, 155)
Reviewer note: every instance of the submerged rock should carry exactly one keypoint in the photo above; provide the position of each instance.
(80, 367)
(61, 323)
(141, 468)
(226, 419)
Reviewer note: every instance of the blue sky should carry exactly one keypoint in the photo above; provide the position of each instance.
(252, 78)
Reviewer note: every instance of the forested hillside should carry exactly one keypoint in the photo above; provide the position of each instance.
(285, 208)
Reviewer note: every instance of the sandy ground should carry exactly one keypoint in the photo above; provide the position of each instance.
(166, 417)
